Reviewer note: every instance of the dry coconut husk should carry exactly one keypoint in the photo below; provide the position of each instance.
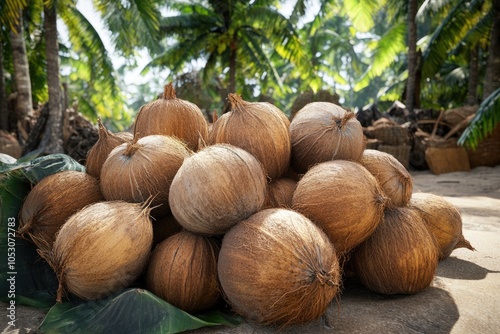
(280, 193)
(102, 249)
(171, 116)
(144, 168)
(400, 257)
(343, 199)
(392, 176)
(100, 150)
(323, 131)
(216, 188)
(183, 271)
(443, 220)
(259, 128)
(277, 267)
(52, 201)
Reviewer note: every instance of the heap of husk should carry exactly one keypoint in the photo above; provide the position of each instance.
(300, 207)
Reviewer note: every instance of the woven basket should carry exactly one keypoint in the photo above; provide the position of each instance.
(400, 152)
(488, 151)
(455, 116)
(389, 134)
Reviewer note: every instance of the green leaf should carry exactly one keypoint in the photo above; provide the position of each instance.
(35, 170)
(129, 311)
(484, 122)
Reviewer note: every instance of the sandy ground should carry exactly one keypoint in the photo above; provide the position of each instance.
(464, 297)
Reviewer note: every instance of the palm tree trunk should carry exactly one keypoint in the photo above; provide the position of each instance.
(24, 103)
(4, 116)
(52, 138)
(473, 76)
(412, 56)
(492, 77)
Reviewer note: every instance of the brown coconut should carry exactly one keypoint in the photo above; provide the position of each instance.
(216, 188)
(342, 198)
(102, 249)
(400, 257)
(280, 193)
(52, 201)
(259, 128)
(143, 168)
(105, 144)
(183, 271)
(443, 220)
(171, 116)
(277, 267)
(165, 227)
(392, 176)
(323, 131)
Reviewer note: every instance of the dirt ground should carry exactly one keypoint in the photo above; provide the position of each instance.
(464, 297)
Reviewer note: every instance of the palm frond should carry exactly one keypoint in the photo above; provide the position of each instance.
(134, 23)
(478, 34)
(484, 122)
(87, 42)
(360, 12)
(391, 44)
(10, 11)
(450, 32)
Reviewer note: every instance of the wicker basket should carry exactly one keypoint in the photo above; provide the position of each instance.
(488, 151)
(447, 159)
(389, 134)
(400, 152)
(455, 116)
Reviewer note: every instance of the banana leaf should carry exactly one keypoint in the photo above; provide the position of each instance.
(129, 311)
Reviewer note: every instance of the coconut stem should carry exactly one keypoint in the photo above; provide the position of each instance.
(326, 278)
(132, 147)
(21, 231)
(236, 101)
(346, 119)
(169, 92)
(103, 132)
(463, 243)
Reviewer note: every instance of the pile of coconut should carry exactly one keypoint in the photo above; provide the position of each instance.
(263, 213)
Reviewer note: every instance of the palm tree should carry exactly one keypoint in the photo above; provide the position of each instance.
(24, 104)
(472, 22)
(134, 24)
(52, 141)
(233, 35)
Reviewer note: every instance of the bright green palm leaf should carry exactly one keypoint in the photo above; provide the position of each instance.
(460, 20)
(133, 23)
(392, 43)
(360, 12)
(86, 41)
(484, 122)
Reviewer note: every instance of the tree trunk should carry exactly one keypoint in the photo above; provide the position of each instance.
(24, 104)
(412, 56)
(492, 77)
(473, 76)
(4, 116)
(52, 138)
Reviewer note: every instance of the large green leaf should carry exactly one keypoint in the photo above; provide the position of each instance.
(484, 122)
(24, 276)
(129, 311)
